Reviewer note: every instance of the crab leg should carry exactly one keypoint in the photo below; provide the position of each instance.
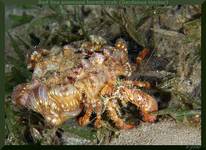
(119, 123)
(97, 123)
(84, 120)
(142, 55)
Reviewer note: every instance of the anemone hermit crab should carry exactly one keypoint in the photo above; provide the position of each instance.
(72, 80)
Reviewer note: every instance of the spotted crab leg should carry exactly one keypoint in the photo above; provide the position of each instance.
(97, 123)
(119, 123)
(84, 120)
(142, 55)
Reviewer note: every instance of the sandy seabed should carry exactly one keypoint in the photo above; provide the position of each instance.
(161, 133)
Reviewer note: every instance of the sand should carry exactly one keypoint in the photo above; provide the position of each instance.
(160, 133)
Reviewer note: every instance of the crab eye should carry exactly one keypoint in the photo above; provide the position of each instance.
(121, 44)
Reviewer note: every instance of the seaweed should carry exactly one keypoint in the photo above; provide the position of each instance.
(19, 72)
(18, 20)
(131, 21)
(86, 132)
(183, 107)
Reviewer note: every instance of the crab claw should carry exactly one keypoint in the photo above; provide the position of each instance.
(149, 117)
(146, 103)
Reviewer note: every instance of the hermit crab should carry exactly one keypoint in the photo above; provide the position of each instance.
(83, 80)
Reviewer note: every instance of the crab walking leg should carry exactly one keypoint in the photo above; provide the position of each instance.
(143, 84)
(84, 120)
(97, 123)
(146, 103)
(119, 123)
